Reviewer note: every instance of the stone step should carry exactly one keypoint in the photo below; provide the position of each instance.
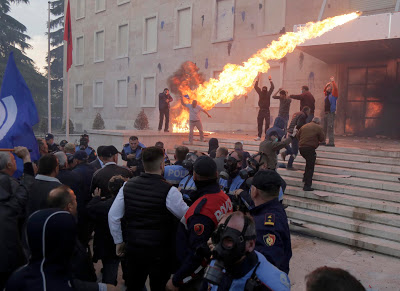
(251, 144)
(345, 223)
(379, 195)
(344, 210)
(331, 162)
(344, 199)
(348, 180)
(368, 242)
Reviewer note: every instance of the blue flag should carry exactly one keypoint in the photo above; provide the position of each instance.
(17, 112)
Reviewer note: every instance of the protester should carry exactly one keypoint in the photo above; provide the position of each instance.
(85, 172)
(264, 102)
(103, 244)
(66, 176)
(84, 146)
(132, 154)
(98, 162)
(310, 135)
(220, 157)
(306, 100)
(239, 148)
(175, 173)
(62, 145)
(13, 199)
(160, 144)
(199, 222)
(102, 176)
(164, 100)
(149, 205)
(69, 148)
(45, 181)
(53, 147)
(298, 120)
(212, 147)
(332, 279)
(273, 235)
(278, 128)
(43, 147)
(284, 105)
(237, 265)
(230, 179)
(331, 95)
(194, 119)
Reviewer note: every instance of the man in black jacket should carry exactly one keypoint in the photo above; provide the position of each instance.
(68, 177)
(98, 162)
(264, 102)
(149, 205)
(306, 99)
(13, 198)
(45, 181)
(163, 106)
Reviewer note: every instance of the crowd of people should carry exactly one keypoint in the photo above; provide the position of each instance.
(208, 221)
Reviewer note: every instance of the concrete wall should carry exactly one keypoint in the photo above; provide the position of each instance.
(211, 47)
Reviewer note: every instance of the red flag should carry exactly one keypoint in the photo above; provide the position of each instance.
(68, 36)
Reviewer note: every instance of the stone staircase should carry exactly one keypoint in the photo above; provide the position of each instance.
(356, 199)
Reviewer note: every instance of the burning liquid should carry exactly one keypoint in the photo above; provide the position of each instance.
(237, 80)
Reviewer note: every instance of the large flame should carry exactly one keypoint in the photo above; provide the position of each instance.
(237, 80)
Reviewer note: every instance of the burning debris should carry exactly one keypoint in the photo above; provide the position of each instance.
(237, 80)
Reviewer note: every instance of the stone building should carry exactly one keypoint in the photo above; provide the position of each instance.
(125, 50)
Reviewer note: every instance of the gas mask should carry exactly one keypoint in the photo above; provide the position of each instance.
(253, 165)
(189, 162)
(230, 247)
(231, 168)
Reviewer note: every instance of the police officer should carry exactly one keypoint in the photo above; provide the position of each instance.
(230, 179)
(200, 221)
(273, 236)
(160, 145)
(84, 146)
(132, 153)
(187, 185)
(53, 147)
(237, 265)
(176, 172)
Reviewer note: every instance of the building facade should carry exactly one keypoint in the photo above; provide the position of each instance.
(125, 50)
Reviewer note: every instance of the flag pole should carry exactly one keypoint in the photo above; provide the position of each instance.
(67, 118)
(48, 72)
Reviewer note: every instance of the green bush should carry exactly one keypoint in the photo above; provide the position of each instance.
(71, 127)
(98, 122)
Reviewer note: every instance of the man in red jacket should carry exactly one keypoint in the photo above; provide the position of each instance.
(306, 99)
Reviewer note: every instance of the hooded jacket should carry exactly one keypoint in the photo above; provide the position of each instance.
(212, 147)
(279, 127)
(51, 235)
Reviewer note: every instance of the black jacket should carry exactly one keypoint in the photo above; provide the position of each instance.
(149, 222)
(95, 164)
(39, 193)
(306, 99)
(72, 180)
(162, 101)
(298, 120)
(265, 96)
(102, 176)
(13, 199)
(54, 148)
(103, 243)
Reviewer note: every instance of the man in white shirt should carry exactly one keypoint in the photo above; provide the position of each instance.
(148, 203)
(194, 119)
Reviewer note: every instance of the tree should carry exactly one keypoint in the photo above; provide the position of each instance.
(141, 121)
(56, 55)
(13, 37)
(98, 122)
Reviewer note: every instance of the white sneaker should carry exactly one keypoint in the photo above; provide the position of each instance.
(257, 138)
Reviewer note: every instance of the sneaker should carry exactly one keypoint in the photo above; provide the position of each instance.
(283, 155)
(330, 145)
(166, 130)
(308, 188)
(291, 168)
(257, 138)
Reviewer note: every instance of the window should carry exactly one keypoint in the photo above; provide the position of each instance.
(100, 5)
(79, 52)
(120, 2)
(150, 34)
(122, 40)
(98, 89)
(148, 91)
(224, 19)
(183, 27)
(80, 9)
(215, 75)
(271, 17)
(99, 46)
(121, 94)
(79, 95)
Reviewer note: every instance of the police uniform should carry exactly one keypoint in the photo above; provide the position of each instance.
(273, 235)
(199, 222)
(90, 152)
(233, 184)
(269, 277)
(127, 150)
(174, 174)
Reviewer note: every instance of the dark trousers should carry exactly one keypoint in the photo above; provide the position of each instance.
(143, 264)
(310, 156)
(4, 278)
(292, 150)
(110, 271)
(164, 112)
(263, 114)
